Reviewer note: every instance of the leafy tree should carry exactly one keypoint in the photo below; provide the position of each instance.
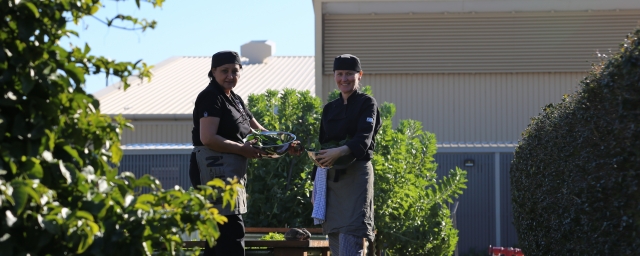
(577, 167)
(59, 193)
(410, 217)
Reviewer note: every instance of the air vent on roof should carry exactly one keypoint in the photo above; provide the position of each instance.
(258, 51)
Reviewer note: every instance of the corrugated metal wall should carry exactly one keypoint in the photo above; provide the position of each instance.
(171, 170)
(508, 230)
(178, 131)
(469, 107)
(476, 211)
(475, 42)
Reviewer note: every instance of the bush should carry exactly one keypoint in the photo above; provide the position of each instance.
(278, 189)
(576, 171)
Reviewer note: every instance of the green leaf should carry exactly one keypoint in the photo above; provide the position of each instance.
(33, 169)
(94, 9)
(73, 154)
(216, 183)
(84, 215)
(33, 8)
(85, 240)
(20, 194)
(116, 152)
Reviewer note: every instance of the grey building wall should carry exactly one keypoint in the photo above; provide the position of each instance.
(510, 237)
(476, 211)
(170, 169)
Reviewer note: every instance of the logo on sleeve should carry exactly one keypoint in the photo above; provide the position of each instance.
(370, 119)
(206, 114)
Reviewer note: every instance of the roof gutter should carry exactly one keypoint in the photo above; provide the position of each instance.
(156, 116)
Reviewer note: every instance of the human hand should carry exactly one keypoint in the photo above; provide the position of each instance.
(327, 157)
(295, 148)
(250, 152)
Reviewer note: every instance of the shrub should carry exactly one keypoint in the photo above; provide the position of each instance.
(576, 171)
(278, 189)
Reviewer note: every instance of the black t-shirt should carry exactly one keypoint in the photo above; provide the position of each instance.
(234, 115)
(359, 119)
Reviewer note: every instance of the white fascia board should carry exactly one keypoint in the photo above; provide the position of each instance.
(173, 151)
(134, 117)
(457, 6)
(475, 150)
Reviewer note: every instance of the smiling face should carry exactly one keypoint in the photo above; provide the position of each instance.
(347, 80)
(227, 75)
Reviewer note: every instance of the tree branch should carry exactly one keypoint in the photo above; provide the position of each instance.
(111, 25)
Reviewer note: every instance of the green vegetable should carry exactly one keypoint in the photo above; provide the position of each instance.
(273, 236)
(331, 144)
(264, 139)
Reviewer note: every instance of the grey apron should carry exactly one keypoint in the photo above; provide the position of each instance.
(350, 201)
(212, 164)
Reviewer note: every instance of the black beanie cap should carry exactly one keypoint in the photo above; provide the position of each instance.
(346, 62)
(224, 57)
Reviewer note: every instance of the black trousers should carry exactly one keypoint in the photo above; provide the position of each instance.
(231, 239)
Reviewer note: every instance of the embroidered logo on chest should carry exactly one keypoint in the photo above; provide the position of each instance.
(370, 119)
(206, 114)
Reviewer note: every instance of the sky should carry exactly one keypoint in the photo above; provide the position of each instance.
(197, 28)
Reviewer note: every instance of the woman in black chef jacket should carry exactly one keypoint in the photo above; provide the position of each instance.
(220, 123)
(349, 194)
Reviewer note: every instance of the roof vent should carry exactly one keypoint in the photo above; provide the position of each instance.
(258, 51)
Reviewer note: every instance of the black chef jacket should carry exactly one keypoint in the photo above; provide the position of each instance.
(234, 116)
(359, 119)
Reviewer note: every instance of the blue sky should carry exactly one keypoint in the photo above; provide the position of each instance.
(198, 28)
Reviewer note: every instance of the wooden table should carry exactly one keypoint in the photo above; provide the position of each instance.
(292, 248)
(280, 248)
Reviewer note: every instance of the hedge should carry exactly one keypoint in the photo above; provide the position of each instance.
(576, 170)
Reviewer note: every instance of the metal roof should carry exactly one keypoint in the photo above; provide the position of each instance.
(177, 81)
(445, 147)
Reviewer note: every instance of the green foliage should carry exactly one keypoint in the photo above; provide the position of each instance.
(273, 236)
(278, 189)
(410, 212)
(576, 171)
(410, 217)
(59, 194)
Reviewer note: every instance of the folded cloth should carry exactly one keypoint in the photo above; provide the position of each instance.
(319, 196)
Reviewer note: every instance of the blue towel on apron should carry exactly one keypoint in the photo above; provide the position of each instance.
(319, 196)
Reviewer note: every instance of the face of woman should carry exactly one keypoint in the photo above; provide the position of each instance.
(227, 75)
(347, 80)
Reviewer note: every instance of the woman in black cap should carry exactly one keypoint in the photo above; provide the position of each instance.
(221, 121)
(349, 193)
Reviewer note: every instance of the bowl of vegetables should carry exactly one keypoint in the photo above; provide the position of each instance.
(275, 143)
